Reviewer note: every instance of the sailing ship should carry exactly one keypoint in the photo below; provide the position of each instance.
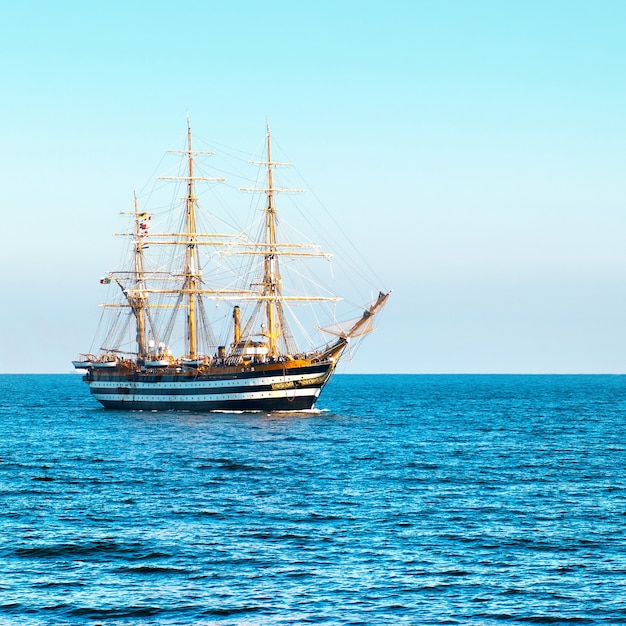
(260, 365)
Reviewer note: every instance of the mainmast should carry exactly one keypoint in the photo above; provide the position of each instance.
(192, 268)
(192, 272)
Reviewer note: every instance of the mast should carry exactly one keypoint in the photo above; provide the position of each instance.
(139, 300)
(136, 293)
(192, 272)
(192, 275)
(271, 270)
(275, 325)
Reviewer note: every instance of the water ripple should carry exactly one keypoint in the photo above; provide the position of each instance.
(405, 499)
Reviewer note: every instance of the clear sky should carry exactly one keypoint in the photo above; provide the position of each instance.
(475, 149)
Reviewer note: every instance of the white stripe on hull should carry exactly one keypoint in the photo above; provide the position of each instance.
(137, 386)
(208, 397)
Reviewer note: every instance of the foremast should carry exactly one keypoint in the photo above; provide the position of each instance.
(272, 282)
(276, 328)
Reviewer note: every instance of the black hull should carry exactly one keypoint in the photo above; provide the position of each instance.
(293, 388)
(266, 406)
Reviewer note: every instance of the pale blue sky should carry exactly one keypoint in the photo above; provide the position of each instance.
(476, 149)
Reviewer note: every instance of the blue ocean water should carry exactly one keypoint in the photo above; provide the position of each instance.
(405, 499)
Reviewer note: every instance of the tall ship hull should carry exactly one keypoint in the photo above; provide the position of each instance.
(295, 387)
(190, 329)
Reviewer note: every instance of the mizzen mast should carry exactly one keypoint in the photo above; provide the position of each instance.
(141, 220)
(137, 295)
